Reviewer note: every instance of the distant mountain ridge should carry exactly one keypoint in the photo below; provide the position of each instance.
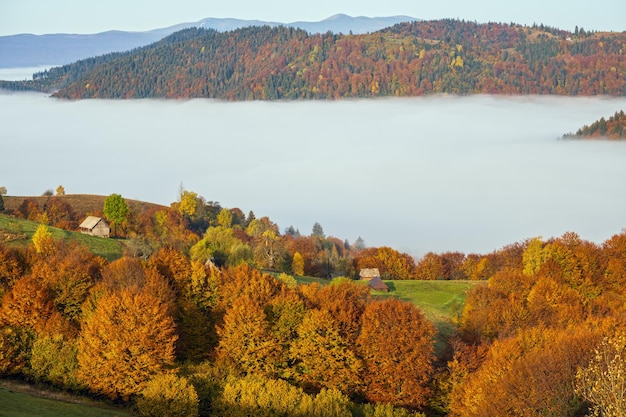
(26, 50)
(408, 59)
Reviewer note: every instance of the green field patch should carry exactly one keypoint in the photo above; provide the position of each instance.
(441, 302)
(436, 298)
(311, 280)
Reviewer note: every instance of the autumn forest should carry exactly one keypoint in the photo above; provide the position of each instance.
(203, 315)
(195, 309)
(408, 59)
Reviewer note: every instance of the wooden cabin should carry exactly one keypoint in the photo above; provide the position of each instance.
(372, 276)
(95, 226)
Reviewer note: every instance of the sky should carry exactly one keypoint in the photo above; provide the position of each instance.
(90, 16)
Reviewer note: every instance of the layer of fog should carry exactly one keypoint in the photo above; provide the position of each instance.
(21, 74)
(426, 174)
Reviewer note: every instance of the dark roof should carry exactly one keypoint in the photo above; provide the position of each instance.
(377, 284)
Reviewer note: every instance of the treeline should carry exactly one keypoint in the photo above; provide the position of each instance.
(206, 230)
(613, 128)
(409, 59)
(228, 237)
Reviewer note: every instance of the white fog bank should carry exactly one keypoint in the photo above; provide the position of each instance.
(424, 174)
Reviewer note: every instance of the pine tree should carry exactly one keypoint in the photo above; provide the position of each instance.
(318, 231)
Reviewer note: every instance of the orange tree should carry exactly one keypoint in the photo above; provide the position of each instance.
(396, 344)
(127, 339)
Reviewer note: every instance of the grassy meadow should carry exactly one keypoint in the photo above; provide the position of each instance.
(19, 232)
(14, 403)
(441, 301)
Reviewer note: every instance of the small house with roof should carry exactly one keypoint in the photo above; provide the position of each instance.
(95, 226)
(372, 277)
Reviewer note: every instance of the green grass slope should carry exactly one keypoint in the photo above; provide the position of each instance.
(441, 302)
(17, 404)
(19, 232)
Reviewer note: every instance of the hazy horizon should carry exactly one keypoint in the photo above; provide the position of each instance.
(442, 173)
(77, 16)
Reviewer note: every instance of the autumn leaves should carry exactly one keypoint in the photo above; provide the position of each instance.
(114, 329)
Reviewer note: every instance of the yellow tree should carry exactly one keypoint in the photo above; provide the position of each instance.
(260, 396)
(168, 395)
(225, 218)
(297, 265)
(42, 239)
(266, 239)
(127, 340)
(221, 246)
(188, 203)
(533, 256)
(244, 281)
(430, 267)
(245, 338)
(285, 313)
(322, 357)
(174, 266)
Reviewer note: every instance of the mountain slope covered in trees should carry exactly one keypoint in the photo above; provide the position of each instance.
(613, 128)
(408, 59)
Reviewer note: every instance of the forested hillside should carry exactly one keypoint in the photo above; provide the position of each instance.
(409, 59)
(613, 128)
(202, 316)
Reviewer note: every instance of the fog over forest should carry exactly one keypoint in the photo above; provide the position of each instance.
(421, 174)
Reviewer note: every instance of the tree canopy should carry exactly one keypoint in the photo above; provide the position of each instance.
(116, 210)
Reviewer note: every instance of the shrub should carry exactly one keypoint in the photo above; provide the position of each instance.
(387, 410)
(168, 395)
(15, 345)
(53, 359)
(331, 403)
(263, 397)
